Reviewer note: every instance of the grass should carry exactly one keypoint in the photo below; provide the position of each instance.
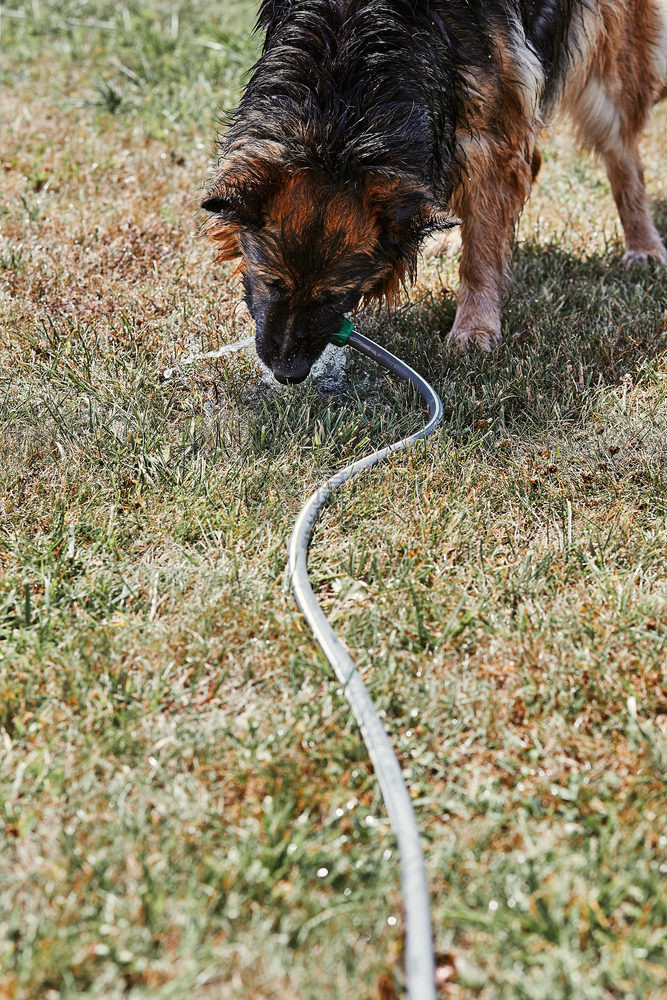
(187, 806)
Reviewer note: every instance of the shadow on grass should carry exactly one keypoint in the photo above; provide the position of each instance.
(572, 326)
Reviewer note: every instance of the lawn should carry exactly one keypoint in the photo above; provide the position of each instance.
(187, 809)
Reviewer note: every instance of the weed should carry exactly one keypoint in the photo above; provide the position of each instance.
(110, 97)
(12, 258)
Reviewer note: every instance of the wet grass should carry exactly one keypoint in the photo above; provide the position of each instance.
(187, 806)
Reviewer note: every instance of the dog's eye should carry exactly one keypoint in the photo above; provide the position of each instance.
(276, 289)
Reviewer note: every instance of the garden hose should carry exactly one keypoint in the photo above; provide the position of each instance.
(419, 958)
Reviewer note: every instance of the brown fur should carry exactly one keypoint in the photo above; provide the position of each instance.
(361, 216)
(363, 234)
(614, 84)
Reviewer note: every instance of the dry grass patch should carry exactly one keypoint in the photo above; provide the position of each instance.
(187, 808)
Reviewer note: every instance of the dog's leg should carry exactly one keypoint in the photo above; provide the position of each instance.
(610, 104)
(489, 206)
(626, 177)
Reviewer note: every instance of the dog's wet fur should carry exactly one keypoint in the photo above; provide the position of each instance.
(369, 124)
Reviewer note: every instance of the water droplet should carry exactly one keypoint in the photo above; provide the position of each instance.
(387, 855)
(347, 892)
(391, 921)
(322, 872)
(340, 812)
(493, 905)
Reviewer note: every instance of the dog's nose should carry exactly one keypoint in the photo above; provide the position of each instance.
(291, 374)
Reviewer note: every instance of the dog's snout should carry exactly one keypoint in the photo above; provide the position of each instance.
(287, 347)
(273, 330)
(291, 376)
(281, 345)
(290, 336)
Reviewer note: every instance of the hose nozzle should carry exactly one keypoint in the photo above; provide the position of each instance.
(341, 338)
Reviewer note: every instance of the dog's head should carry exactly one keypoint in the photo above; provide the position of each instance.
(313, 248)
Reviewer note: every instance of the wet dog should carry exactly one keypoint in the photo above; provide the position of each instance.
(369, 124)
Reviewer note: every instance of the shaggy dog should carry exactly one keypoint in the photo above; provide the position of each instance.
(369, 124)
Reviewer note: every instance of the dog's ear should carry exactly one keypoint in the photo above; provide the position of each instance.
(405, 210)
(238, 196)
(235, 202)
(242, 188)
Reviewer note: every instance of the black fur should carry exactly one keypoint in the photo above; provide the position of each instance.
(348, 89)
(377, 84)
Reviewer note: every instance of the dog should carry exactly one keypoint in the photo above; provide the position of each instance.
(369, 125)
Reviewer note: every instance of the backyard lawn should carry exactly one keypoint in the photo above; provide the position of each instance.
(186, 805)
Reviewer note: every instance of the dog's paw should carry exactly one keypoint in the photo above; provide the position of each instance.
(463, 338)
(656, 254)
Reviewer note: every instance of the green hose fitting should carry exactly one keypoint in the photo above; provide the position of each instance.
(341, 338)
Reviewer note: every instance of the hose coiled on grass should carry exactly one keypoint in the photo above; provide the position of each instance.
(419, 959)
